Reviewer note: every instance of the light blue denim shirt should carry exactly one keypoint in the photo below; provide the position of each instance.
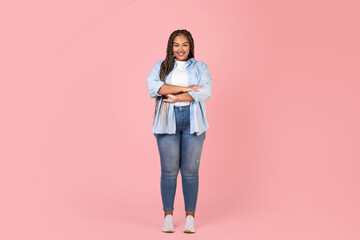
(198, 74)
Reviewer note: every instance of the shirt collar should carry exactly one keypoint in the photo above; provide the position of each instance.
(189, 62)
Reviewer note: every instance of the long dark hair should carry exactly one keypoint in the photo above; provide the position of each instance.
(167, 66)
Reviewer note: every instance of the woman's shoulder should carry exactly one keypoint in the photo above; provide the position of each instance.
(200, 64)
(159, 61)
(158, 64)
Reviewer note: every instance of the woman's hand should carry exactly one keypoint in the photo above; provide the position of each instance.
(171, 98)
(192, 88)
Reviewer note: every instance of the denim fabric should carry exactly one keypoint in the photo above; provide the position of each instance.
(198, 74)
(181, 150)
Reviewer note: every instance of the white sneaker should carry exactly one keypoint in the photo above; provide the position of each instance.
(189, 224)
(168, 224)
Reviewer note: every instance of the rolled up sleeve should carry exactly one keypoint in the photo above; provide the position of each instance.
(206, 81)
(153, 81)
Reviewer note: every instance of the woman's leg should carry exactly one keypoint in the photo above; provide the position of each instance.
(191, 149)
(169, 151)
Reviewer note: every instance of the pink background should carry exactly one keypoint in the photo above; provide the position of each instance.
(79, 160)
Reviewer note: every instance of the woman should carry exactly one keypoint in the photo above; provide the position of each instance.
(181, 85)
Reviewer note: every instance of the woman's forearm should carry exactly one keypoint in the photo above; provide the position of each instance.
(185, 97)
(170, 89)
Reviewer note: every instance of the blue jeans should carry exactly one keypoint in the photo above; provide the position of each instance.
(181, 150)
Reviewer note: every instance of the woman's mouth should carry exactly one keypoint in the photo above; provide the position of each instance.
(181, 54)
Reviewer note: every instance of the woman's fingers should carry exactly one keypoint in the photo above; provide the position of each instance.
(192, 88)
(195, 87)
(170, 98)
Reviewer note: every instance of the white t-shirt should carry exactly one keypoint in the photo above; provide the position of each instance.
(180, 78)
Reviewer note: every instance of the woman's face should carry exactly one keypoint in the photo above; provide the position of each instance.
(181, 48)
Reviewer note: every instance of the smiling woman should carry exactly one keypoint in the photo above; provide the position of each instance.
(181, 85)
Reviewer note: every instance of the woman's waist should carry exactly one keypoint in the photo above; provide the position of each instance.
(185, 107)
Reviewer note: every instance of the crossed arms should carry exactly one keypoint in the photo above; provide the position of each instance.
(196, 93)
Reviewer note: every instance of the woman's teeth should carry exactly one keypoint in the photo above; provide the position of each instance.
(180, 54)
